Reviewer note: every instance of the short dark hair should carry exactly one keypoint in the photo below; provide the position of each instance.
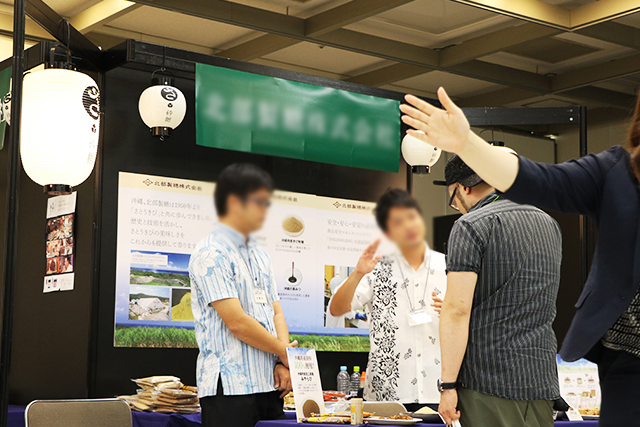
(239, 179)
(393, 198)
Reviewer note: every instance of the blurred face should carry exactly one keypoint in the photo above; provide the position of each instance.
(405, 227)
(252, 211)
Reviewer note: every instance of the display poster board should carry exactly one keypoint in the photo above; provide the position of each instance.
(580, 385)
(305, 379)
(314, 243)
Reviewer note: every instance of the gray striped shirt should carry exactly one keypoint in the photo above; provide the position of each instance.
(516, 251)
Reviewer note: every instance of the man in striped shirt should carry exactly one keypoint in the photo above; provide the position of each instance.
(242, 371)
(497, 342)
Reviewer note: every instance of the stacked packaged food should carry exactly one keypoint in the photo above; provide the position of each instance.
(164, 394)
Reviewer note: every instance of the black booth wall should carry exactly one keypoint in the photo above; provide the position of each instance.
(128, 146)
(50, 331)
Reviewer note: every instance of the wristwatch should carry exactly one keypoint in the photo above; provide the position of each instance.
(442, 386)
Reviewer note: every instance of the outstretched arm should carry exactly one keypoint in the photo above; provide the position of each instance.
(449, 130)
(573, 187)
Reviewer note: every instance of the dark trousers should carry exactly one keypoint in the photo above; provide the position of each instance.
(240, 410)
(620, 384)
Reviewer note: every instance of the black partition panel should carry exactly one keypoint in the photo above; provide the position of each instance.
(129, 147)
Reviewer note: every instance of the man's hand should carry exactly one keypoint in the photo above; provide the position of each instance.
(448, 406)
(437, 303)
(283, 357)
(368, 259)
(283, 379)
(447, 129)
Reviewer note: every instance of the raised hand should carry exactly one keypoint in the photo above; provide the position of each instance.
(368, 259)
(437, 303)
(447, 129)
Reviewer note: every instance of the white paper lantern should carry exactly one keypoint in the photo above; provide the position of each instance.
(59, 128)
(162, 107)
(420, 155)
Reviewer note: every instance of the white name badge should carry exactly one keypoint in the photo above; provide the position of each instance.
(419, 318)
(260, 296)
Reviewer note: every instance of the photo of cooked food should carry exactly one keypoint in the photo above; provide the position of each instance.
(293, 225)
(310, 407)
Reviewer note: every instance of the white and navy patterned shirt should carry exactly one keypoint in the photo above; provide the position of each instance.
(516, 251)
(404, 360)
(225, 265)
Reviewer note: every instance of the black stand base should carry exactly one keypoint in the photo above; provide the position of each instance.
(57, 189)
(421, 170)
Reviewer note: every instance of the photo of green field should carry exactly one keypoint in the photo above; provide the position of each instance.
(144, 336)
(333, 343)
(155, 278)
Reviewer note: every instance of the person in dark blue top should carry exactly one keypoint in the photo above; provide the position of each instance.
(605, 187)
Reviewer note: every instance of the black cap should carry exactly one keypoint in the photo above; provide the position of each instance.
(457, 171)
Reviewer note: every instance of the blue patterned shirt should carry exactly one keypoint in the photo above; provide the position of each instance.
(225, 265)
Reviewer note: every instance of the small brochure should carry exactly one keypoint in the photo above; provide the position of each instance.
(60, 243)
(305, 377)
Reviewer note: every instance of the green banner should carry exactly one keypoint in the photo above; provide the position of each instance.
(242, 111)
(5, 102)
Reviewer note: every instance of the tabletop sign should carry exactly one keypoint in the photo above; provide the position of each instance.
(579, 384)
(305, 377)
(574, 415)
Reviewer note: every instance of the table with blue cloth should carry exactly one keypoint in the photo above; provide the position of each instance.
(291, 421)
(154, 419)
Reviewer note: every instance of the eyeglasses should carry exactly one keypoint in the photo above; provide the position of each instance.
(453, 196)
(263, 203)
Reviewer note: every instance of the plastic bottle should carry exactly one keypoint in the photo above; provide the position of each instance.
(355, 381)
(344, 385)
(361, 389)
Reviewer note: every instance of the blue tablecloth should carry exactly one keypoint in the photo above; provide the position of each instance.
(290, 421)
(153, 419)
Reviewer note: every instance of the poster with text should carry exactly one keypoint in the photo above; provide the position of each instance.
(160, 220)
(314, 243)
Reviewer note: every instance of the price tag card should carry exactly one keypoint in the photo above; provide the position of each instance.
(305, 378)
(574, 415)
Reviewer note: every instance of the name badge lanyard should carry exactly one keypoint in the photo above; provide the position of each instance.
(426, 283)
(259, 292)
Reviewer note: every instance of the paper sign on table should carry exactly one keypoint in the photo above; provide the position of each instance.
(574, 415)
(579, 384)
(305, 378)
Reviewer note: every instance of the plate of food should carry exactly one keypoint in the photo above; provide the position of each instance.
(401, 420)
(590, 413)
(427, 415)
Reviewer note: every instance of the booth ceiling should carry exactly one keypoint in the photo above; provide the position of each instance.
(533, 52)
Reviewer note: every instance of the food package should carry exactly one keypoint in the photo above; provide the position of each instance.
(165, 394)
